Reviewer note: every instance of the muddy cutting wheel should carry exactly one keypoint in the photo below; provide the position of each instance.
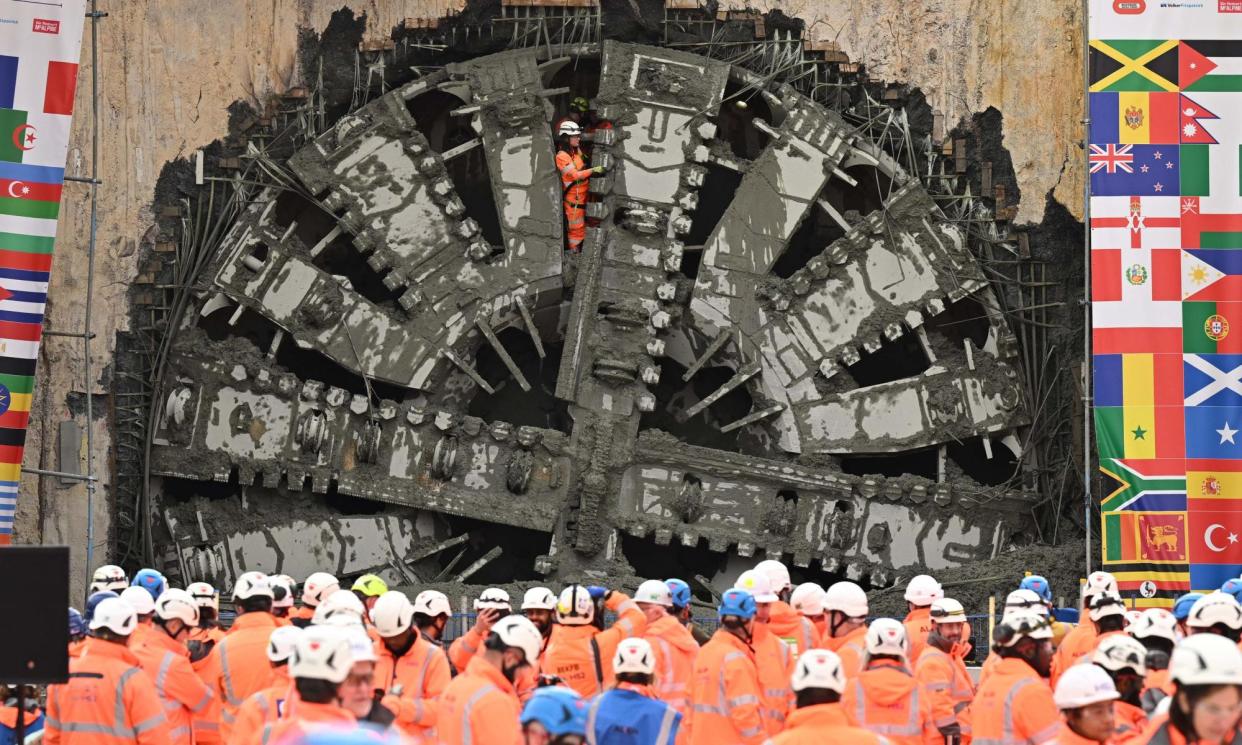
(773, 341)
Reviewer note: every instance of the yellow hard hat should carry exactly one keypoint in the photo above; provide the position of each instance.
(370, 585)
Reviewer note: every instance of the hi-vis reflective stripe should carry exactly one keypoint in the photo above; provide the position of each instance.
(118, 728)
(592, 715)
(467, 732)
(229, 694)
(664, 736)
(910, 729)
(1007, 737)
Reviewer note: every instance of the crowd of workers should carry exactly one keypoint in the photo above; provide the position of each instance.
(787, 665)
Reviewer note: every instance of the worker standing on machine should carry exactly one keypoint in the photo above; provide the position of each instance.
(575, 182)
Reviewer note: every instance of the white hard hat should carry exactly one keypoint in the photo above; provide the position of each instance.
(360, 644)
(1019, 625)
(518, 631)
(947, 610)
(654, 591)
(1026, 600)
(280, 643)
(1213, 608)
(634, 655)
(139, 599)
(116, 615)
(317, 587)
(1156, 622)
(847, 598)
(1105, 604)
(1098, 582)
(569, 127)
(281, 581)
(808, 599)
(539, 598)
(818, 668)
(777, 574)
(322, 653)
(1083, 685)
(205, 595)
(575, 607)
(252, 585)
(1132, 617)
(886, 636)
(1117, 652)
(757, 584)
(432, 603)
(1204, 659)
(173, 603)
(339, 603)
(109, 577)
(923, 589)
(493, 598)
(392, 614)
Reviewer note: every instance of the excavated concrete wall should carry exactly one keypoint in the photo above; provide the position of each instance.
(169, 70)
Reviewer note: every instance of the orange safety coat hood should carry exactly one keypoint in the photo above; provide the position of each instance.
(886, 684)
(783, 620)
(670, 630)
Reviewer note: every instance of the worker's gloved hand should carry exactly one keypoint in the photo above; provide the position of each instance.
(596, 592)
(599, 169)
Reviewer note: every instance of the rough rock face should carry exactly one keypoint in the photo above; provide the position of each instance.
(169, 71)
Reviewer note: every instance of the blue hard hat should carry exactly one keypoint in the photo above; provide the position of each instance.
(1181, 608)
(737, 602)
(680, 591)
(151, 581)
(560, 710)
(1234, 588)
(1037, 585)
(77, 624)
(95, 599)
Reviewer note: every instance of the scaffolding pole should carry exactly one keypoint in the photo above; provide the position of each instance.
(1086, 305)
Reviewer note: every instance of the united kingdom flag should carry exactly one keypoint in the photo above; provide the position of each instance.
(1111, 158)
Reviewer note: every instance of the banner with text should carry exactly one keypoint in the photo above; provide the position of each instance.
(40, 43)
(1165, 152)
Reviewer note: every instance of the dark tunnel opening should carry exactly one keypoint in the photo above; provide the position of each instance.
(674, 396)
(539, 407)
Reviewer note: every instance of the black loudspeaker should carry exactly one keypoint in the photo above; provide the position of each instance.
(34, 616)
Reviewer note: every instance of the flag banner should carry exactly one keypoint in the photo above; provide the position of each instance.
(1164, 99)
(40, 44)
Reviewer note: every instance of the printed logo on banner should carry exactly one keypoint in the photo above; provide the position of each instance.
(1229, 6)
(45, 26)
(1129, 7)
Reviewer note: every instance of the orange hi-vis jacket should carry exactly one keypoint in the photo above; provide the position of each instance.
(793, 628)
(849, 648)
(1078, 641)
(774, 660)
(887, 700)
(206, 723)
(918, 623)
(108, 699)
(182, 693)
(725, 704)
(575, 187)
(305, 719)
(946, 683)
(421, 675)
(1129, 722)
(1156, 686)
(75, 648)
(1068, 736)
(213, 635)
(261, 709)
(675, 650)
(823, 724)
(1014, 705)
(479, 706)
(301, 613)
(238, 666)
(582, 655)
(465, 647)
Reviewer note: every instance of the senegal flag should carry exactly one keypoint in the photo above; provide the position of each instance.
(1212, 327)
